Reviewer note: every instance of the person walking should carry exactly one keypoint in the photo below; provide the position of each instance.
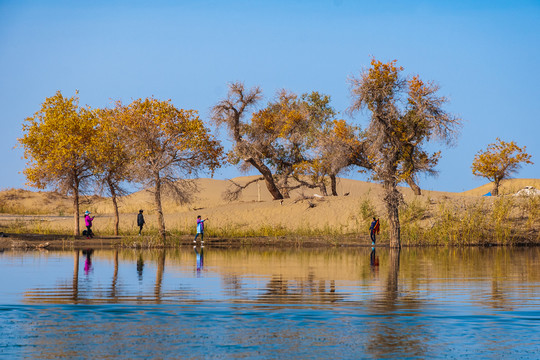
(200, 229)
(374, 230)
(88, 222)
(140, 221)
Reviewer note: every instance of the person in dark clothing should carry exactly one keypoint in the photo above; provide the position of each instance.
(140, 221)
(374, 230)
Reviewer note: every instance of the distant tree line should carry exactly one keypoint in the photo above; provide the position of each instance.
(292, 141)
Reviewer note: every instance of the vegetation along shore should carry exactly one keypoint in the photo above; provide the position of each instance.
(305, 219)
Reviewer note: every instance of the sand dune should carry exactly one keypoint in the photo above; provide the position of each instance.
(510, 186)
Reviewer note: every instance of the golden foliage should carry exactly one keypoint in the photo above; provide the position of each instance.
(163, 136)
(58, 143)
(499, 161)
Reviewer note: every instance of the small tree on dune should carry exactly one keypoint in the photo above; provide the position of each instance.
(405, 114)
(499, 161)
(59, 144)
(168, 146)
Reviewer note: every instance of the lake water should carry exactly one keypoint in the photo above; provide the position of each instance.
(345, 303)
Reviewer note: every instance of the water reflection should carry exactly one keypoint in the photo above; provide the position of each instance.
(75, 281)
(395, 335)
(159, 275)
(199, 258)
(374, 263)
(115, 277)
(88, 260)
(268, 303)
(140, 266)
(289, 277)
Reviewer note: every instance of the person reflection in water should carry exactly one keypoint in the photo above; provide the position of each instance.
(140, 266)
(88, 260)
(200, 259)
(374, 261)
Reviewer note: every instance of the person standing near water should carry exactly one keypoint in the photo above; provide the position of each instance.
(88, 222)
(140, 221)
(373, 230)
(200, 229)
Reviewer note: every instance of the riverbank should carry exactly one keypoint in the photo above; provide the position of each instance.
(306, 218)
(41, 241)
(28, 242)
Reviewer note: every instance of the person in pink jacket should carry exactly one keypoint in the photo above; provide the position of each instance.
(88, 222)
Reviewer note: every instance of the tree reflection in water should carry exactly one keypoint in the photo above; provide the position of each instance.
(280, 290)
(75, 283)
(159, 276)
(115, 277)
(388, 333)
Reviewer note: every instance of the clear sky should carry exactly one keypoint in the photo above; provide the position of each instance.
(485, 55)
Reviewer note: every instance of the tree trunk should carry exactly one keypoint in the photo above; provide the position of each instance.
(392, 199)
(283, 184)
(284, 190)
(157, 199)
(414, 187)
(322, 187)
(268, 179)
(333, 184)
(115, 206)
(495, 191)
(76, 227)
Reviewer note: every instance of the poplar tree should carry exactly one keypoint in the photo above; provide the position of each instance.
(406, 113)
(500, 160)
(59, 144)
(168, 147)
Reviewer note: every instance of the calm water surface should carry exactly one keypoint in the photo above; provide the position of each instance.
(251, 303)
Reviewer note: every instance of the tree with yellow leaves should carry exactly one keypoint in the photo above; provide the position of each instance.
(112, 160)
(405, 114)
(500, 160)
(58, 143)
(168, 146)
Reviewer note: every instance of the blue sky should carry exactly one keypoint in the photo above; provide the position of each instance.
(485, 56)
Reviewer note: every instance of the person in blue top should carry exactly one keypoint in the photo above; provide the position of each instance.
(200, 229)
(374, 230)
